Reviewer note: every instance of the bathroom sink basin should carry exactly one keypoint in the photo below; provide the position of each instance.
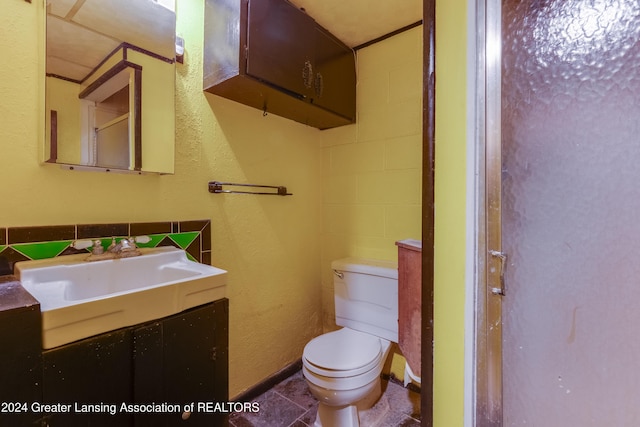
(79, 299)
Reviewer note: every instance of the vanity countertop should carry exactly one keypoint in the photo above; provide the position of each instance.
(13, 295)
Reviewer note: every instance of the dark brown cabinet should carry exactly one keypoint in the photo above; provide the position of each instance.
(274, 57)
(20, 361)
(178, 360)
(93, 371)
(183, 360)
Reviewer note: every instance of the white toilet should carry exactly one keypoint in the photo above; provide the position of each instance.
(343, 367)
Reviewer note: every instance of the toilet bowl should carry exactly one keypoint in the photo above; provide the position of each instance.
(342, 368)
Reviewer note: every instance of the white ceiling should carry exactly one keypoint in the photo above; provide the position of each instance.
(356, 22)
(80, 33)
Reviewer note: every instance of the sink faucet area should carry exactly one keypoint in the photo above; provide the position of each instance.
(120, 287)
(125, 248)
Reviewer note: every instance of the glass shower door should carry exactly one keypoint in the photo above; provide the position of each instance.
(571, 212)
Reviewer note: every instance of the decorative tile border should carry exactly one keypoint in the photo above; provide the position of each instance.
(27, 243)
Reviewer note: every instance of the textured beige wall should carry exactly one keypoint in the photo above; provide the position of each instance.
(372, 170)
(356, 188)
(269, 245)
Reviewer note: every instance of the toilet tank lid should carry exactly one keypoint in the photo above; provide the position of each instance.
(367, 266)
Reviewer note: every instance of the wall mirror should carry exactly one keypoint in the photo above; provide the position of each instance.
(110, 84)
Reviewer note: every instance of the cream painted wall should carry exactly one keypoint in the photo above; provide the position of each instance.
(63, 96)
(372, 170)
(450, 214)
(269, 245)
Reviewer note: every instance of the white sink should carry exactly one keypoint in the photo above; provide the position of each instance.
(79, 299)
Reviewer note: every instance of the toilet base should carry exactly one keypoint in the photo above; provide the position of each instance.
(347, 415)
(332, 416)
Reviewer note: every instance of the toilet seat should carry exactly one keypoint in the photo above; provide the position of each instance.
(342, 353)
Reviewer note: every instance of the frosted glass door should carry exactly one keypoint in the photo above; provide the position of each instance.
(571, 212)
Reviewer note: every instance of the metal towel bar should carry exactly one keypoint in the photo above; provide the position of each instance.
(216, 187)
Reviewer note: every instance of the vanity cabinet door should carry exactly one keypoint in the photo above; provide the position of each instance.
(148, 381)
(20, 362)
(92, 371)
(195, 361)
(181, 360)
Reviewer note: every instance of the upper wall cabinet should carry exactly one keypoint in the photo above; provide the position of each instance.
(110, 84)
(272, 56)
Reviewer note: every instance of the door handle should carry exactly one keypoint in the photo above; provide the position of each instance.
(503, 261)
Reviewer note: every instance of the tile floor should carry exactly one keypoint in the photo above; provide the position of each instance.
(290, 404)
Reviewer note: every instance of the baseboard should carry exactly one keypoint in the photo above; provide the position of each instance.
(392, 378)
(268, 383)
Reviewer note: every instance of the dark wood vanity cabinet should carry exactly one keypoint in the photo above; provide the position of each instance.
(270, 55)
(95, 370)
(181, 360)
(177, 360)
(20, 347)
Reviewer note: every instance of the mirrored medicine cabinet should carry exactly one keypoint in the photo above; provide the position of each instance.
(110, 85)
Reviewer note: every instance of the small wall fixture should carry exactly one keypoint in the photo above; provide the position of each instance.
(216, 187)
(179, 49)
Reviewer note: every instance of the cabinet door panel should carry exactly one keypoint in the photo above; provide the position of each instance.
(148, 385)
(147, 362)
(20, 363)
(280, 46)
(92, 371)
(334, 76)
(190, 359)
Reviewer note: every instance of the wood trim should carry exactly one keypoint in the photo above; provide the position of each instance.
(388, 35)
(124, 46)
(428, 208)
(105, 59)
(135, 48)
(53, 146)
(137, 120)
(106, 76)
(56, 76)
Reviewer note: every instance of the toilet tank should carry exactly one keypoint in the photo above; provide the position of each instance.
(366, 296)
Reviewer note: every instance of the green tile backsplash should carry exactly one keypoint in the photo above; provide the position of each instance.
(25, 243)
(42, 250)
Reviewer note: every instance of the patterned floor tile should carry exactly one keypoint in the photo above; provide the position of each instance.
(291, 404)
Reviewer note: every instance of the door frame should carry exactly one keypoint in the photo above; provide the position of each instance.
(486, 289)
(428, 208)
(483, 352)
